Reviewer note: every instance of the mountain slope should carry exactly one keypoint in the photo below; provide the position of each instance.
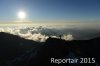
(16, 51)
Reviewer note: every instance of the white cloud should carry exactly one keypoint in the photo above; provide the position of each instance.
(68, 37)
(33, 33)
(38, 37)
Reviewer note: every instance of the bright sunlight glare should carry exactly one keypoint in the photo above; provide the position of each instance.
(21, 15)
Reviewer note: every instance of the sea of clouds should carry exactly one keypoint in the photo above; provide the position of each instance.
(42, 33)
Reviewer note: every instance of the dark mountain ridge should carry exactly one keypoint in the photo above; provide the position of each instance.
(17, 51)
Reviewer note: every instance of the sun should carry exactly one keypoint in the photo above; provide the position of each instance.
(21, 15)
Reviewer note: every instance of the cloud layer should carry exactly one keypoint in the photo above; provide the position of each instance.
(42, 33)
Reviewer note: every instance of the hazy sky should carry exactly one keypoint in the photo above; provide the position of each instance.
(51, 9)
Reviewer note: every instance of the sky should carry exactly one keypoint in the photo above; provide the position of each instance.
(85, 10)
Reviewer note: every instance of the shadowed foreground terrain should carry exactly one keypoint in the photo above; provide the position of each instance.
(17, 51)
